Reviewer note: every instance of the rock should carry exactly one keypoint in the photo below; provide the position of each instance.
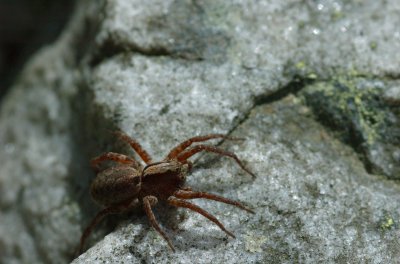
(164, 71)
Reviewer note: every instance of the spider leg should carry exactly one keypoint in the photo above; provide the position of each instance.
(181, 203)
(189, 163)
(117, 157)
(135, 146)
(100, 215)
(185, 144)
(182, 157)
(149, 201)
(189, 194)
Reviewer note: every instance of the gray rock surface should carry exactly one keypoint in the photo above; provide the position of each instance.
(273, 72)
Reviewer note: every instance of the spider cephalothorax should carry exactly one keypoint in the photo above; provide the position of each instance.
(117, 187)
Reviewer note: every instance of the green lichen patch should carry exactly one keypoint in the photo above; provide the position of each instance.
(388, 221)
(356, 112)
(353, 107)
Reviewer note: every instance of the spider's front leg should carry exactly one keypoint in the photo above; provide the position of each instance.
(183, 156)
(187, 143)
(97, 219)
(112, 156)
(135, 146)
(148, 202)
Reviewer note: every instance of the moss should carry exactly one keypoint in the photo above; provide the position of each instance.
(301, 68)
(337, 15)
(350, 105)
(353, 107)
(387, 223)
(373, 45)
(301, 65)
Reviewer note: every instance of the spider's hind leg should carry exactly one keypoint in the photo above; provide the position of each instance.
(149, 201)
(112, 156)
(135, 146)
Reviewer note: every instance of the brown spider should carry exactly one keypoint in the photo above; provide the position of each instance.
(117, 187)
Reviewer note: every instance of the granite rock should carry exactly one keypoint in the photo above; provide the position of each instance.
(163, 71)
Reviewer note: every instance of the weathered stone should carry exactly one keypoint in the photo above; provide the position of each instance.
(163, 71)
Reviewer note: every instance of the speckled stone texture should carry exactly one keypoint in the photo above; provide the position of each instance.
(311, 86)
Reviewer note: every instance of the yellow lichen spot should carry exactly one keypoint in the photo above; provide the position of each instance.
(373, 45)
(357, 100)
(312, 75)
(353, 72)
(253, 242)
(300, 65)
(337, 15)
(387, 223)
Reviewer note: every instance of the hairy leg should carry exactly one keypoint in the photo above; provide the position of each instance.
(117, 157)
(181, 203)
(196, 149)
(135, 146)
(149, 201)
(188, 194)
(100, 215)
(185, 144)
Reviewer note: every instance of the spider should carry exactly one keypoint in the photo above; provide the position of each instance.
(117, 187)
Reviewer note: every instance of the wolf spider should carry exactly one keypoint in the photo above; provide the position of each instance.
(116, 187)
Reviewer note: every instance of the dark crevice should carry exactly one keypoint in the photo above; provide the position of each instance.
(195, 40)
(293, 87)
(92, 53)
(111, 48)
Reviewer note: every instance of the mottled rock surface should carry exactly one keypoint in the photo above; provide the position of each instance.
(312, 86)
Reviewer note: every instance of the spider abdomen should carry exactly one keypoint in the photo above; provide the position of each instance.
(115, 185)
